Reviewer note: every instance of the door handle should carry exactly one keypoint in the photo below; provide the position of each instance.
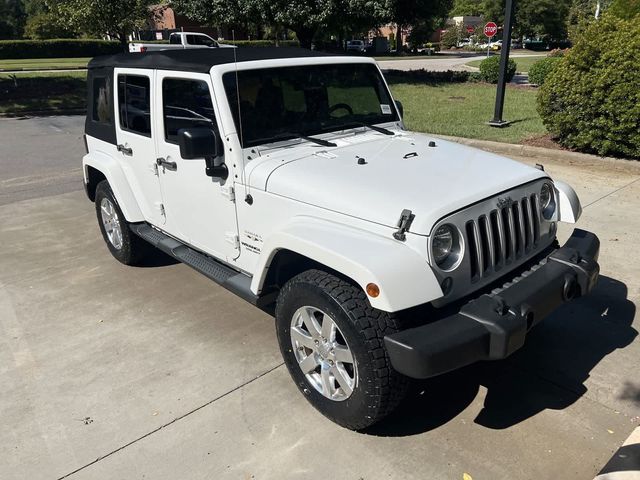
(165, 164)
(125, 150)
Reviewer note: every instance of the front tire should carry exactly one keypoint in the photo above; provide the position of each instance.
(123, 244)
(331, 340)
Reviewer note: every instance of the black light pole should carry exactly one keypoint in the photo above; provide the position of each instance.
(497, 120)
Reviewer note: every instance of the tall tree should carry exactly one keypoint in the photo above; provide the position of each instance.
(409, 12)
(12, 19)
(115, 18)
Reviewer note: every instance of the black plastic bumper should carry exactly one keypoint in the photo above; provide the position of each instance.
(493, 326)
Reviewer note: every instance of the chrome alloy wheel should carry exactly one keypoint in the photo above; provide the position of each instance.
(111, 223)
(322, 353)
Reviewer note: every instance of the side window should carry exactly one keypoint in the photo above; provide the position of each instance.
(174, 39)
(186, 104)
(134, 104)
(191, 39)
(101, 100)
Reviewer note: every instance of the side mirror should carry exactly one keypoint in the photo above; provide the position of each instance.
(202, 142)
(400, 108)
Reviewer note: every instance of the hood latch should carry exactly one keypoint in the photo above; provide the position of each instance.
(406, 218)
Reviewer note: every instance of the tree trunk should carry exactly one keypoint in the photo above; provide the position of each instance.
(305, 36)
(399, 40)
(124, 41)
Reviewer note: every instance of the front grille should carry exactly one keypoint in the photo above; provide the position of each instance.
(502, 236)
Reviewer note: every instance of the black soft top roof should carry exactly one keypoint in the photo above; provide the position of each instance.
(198, 59)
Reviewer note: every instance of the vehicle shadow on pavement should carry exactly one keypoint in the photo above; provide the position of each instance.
(547, 373)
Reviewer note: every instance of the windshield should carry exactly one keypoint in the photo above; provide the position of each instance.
(278, 103)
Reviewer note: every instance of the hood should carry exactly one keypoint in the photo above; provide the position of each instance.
(396, 173)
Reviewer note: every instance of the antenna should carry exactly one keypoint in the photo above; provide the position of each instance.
(247, 196)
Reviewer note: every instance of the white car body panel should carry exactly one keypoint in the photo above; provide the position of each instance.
(404, 277)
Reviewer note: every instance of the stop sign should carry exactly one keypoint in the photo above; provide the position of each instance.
(490, 29)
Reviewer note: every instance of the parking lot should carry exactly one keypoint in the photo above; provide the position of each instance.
(155, 372)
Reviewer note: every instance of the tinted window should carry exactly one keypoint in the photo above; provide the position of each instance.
(277, 103)
(134, 104)
(186, 104)
(101, 100)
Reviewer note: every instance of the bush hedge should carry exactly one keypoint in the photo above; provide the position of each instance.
(425, 76)
(539, 71)
(591, 100)
(58, 48)
(490, 69)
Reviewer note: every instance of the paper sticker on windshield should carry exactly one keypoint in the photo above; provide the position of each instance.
(386, 109)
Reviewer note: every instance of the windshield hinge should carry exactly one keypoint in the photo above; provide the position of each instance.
(229, 192)
(406, 217)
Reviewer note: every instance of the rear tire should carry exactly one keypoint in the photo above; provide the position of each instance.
(123, 244)
(348, 378)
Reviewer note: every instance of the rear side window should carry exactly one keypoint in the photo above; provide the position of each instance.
(186, 103)
(101, 100)
(134, 104)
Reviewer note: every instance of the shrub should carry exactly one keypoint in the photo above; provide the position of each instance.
(58, 48)
(490, 69)
(542, 68)
(591, 100)
(425, 76)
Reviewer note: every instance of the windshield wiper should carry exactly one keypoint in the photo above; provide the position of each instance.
(362, 124)
(291, 136)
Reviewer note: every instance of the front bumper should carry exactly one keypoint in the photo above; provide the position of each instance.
(495, 325)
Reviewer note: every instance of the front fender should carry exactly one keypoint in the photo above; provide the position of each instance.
(114, 174)
(569, 208)
(404, 277)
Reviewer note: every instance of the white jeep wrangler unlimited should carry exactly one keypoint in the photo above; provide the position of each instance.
(287, 177)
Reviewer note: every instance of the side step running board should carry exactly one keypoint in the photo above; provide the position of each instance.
(225, 276)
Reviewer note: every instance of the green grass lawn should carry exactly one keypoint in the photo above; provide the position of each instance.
(44, 63)
(461, 110)
(523, 63)
(28, 92)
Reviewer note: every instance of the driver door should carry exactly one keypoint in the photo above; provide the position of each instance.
(200, 210)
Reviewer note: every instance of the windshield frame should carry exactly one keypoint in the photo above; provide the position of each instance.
(230, 127)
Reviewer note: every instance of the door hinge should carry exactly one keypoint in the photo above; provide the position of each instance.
(229, 192)
(160, 208)
(233, 239)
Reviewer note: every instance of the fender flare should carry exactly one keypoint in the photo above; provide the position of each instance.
(405, 278)
(114, 174)
(569, 208)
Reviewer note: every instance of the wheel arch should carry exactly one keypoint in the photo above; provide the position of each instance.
(99, 166)
(404, 278)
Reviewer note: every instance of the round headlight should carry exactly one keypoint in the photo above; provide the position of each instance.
(547, 204)
(446, 247)
(442, 243)
(546, 195)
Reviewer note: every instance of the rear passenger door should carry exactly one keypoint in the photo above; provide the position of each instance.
(135, 113)
(200, 209)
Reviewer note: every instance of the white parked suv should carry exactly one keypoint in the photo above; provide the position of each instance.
(287, 177)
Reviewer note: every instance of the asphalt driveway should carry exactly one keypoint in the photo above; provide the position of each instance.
(155, 372)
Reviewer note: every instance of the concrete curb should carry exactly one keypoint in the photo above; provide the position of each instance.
(44, 113)
(560, 156)
(45, 70)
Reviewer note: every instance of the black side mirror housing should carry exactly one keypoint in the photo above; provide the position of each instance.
(202, 142)
(400, 108)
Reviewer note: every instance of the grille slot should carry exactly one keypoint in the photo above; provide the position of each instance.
(502, 236)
